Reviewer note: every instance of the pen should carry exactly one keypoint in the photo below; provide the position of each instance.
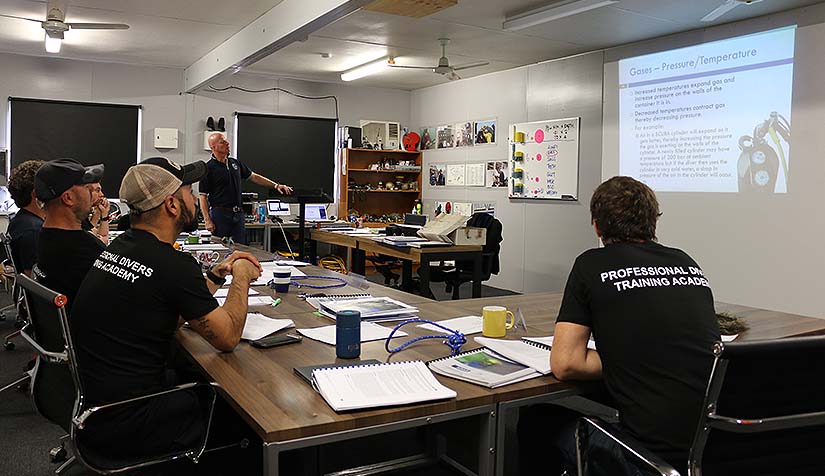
(276, 301)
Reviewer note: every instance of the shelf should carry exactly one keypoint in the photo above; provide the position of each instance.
(385, 171)
(384, 191)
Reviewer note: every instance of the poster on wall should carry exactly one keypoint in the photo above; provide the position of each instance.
(474, 175)
(485, 131)
(463, 208)
(437, 177)
(497, 173)
(485, 207)
(442, 207)
(445, 137)
(463, 132)
(455, 175)
(428, 135)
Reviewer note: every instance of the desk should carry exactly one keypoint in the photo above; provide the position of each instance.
(267, 231)
(360, 245)
(288, 414)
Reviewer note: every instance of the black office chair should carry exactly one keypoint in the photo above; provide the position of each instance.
(58, 393)
(763, 414)
(462, 272)
(9, 272)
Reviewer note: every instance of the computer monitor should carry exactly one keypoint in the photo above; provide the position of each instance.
(316, 212)
(276, 208)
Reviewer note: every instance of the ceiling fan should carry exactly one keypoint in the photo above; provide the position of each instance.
(443, 67)
(55, 24)
(725, 7)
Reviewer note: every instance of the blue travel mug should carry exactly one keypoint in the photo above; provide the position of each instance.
(348, 334)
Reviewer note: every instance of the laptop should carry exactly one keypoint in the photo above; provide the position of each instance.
(316, 213)
(277, 208)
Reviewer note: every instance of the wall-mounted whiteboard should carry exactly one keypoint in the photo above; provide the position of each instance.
(544, 159)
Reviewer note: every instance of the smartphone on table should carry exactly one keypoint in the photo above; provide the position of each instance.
(272, 341)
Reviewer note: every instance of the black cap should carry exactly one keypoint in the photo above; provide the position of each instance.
(56, 176)
(187, 174)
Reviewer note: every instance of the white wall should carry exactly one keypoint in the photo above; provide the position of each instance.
(541, 238)
(158, 91)
(759, 250)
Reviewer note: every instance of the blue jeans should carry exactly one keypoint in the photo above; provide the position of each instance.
(229, 223)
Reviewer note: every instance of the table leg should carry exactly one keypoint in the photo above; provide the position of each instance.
(406, 275)
(477, 275)
(424, 277)
(358, 261)
(313, 252)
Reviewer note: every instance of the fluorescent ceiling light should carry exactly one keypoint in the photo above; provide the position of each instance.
(365, 69)
(552, 12)
(52, 44)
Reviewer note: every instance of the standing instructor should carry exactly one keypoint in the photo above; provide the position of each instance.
(220, 191)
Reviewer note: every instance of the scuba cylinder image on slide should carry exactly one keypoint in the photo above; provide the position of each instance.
(758, 164)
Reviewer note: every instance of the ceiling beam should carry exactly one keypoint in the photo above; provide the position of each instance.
(285, 23)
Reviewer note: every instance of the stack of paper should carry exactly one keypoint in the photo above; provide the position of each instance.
(370, 386)
(548, 341)
(258, 326)
(466, 325)
(370, 308)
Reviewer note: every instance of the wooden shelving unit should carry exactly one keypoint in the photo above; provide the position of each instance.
(378, 202)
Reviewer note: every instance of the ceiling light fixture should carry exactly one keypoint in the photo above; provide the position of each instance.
(53, 43)
(368, 69)
(552, 12)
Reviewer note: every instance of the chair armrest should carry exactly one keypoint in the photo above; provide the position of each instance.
(52, 357)
(639, 453)
(80, 420)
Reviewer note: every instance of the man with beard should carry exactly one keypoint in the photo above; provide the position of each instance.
(98, 221)
(124, 350)
(65, 252)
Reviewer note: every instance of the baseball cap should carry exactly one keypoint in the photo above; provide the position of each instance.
(56, 176)
(148, 183)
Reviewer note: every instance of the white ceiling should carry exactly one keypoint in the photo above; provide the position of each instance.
(178, 32)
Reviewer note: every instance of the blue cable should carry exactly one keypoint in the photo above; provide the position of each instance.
(339, 282)
(454, 340)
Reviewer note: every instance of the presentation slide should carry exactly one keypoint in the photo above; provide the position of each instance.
(709, 118)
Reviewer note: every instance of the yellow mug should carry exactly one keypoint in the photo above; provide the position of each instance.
(494, 321)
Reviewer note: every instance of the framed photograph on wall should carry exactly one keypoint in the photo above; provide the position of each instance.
(438, 177)
(445, 137)
(485, 131)
(497, 174)
(428, 138)
(463, 132)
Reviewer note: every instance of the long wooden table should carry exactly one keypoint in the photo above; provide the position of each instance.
(288, 414)
(360, 245)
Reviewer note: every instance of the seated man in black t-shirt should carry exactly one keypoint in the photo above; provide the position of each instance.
(650, 311)
(123, 350)
(65, 251)
(24, 228)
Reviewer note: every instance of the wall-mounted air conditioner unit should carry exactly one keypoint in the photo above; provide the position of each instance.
(381, 134)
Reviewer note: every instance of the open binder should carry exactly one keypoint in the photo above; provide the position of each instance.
(483, 367)
(379, 385)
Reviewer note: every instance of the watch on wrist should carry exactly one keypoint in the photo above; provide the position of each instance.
(276, 185)
(105, 218)
(215, 278)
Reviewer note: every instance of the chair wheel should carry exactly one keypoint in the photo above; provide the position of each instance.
(57, 454)
(8, 345)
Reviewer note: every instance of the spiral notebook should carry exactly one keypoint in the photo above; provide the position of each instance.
(381, 385)
(315, 301)
(536, 356)
(483, 367)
